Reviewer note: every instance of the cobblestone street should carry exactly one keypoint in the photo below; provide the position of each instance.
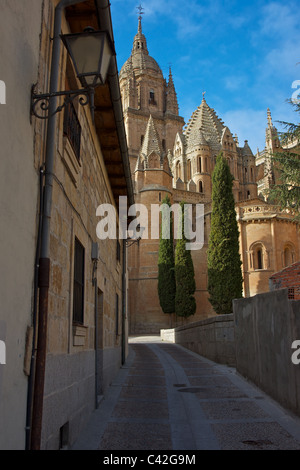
(168, 398)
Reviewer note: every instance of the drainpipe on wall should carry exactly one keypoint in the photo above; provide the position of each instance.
(34, 317)
(124, 301)
(44, 261)
(95, 284)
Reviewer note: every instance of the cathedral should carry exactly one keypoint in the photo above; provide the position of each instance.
(169, 157)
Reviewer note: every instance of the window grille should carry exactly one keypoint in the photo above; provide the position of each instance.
(78, 294)
(72, 128)
(291, 293)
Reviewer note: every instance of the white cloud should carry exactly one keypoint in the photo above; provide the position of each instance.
(279, 19)
(235, 82)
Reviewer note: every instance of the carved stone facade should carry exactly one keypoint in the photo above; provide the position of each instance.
(170, 158)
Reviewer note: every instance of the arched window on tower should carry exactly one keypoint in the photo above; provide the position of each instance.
(178, 171)
(259, 257)
(206, 165)
(199, 165)
(288, 256)
(200, 187)
(189, 170)
(152, 97)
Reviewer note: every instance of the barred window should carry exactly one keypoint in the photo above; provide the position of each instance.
(72, 128)
(78, 293)
(291, 293)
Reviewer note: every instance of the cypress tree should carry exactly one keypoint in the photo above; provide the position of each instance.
(225, 279)
(166, 274)
(185, 303)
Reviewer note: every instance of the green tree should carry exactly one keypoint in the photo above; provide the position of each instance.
(223, 259)
(166, 273)
(286, 162)
(185, 303)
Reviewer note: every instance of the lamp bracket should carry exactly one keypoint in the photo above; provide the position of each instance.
(130, 241)
(40, 103)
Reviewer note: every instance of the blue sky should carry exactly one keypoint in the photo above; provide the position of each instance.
(244, 54)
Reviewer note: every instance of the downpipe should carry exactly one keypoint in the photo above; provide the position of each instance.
(35, 429)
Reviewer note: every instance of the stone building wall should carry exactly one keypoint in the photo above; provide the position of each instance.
(80, 364)
(20, 28)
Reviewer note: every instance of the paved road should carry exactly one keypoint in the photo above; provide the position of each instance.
(168, 398)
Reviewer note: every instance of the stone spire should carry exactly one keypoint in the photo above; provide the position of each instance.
(151, 141)
(270, 124)
(272, 139)
(151, 154)
(140, 42)
(171, 98)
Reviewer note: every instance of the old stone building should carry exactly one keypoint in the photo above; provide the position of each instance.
(64, 295)
(169, 157)
(86, 338)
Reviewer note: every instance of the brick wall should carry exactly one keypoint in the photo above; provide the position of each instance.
(287, 278)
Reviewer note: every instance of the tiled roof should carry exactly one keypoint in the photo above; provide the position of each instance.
(204, 128)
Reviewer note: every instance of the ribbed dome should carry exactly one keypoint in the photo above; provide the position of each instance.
(204, 128)
(140, 58)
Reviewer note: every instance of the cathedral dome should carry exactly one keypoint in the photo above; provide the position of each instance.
(204, 128)
(140, 58)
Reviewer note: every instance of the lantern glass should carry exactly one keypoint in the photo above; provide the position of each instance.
(91, 52)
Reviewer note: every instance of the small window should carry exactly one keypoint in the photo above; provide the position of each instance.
(259, 259)
(200, 187)
(78, 294)
(64, 437)
(189, 170)
(72, 128)
(152, 97)
(178, 170)
(291, 293)
(288, 258)
(142, 139)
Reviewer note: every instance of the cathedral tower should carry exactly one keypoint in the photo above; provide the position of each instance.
(169, 159)
(145, 91)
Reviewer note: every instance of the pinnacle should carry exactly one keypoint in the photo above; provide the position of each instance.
(151, 140)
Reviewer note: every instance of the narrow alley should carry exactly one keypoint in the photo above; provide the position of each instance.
(168, 398)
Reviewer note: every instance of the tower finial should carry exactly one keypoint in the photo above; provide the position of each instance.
(140, 10)
(269, 118)
(203, 95)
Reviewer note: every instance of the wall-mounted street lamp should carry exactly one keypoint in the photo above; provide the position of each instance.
(90, 52)
(132, 241)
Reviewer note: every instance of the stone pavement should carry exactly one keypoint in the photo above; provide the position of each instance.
(168, 398)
